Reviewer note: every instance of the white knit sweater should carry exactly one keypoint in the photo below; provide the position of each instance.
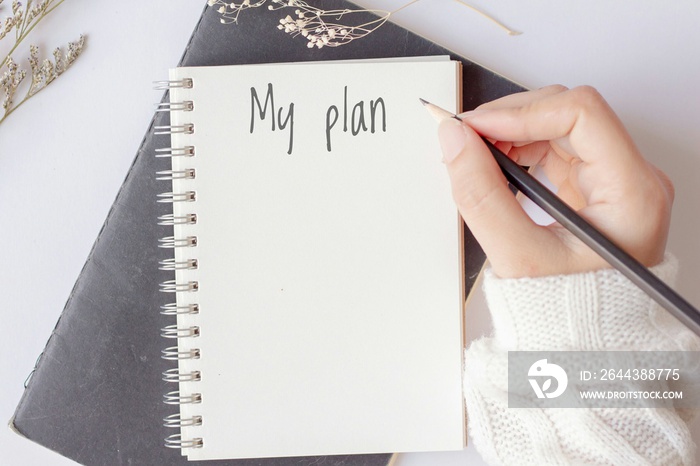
(592, 311)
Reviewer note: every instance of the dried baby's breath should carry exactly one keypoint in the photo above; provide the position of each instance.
(22, 21)
(230, 10)
(322, 28)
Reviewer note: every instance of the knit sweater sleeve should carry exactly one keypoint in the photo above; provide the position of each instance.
(594, 311)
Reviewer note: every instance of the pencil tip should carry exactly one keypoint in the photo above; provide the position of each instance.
(436, 112)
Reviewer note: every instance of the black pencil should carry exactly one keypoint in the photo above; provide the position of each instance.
(637, 273)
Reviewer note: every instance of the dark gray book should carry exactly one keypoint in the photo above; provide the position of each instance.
(96, 393)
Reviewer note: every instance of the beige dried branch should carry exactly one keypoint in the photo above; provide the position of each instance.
(23, 20)
(511, 32)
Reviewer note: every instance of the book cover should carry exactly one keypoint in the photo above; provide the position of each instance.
(96, 394)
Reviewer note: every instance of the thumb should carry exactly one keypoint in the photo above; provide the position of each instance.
(511, 240)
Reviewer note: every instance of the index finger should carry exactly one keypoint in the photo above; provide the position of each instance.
(579, 120)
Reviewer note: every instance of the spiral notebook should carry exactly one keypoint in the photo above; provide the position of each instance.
(317, 258)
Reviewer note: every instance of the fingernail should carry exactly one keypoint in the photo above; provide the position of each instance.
(472, 113)
(452, 139)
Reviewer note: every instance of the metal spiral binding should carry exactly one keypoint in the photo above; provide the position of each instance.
(181, 308)
(172, 309)
(172, 264)
(186, 106)
(173, 331)
(187, 151)
(169, 175)
(186, 83)
(174, 420)
(171, 242)
(173, 353)
(175, 376)
(176, 441)
(187, 128)
(171, 219)
(187, 196)
(175, 398)
(172, 286)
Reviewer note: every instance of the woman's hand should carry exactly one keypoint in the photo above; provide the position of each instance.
(585, 151)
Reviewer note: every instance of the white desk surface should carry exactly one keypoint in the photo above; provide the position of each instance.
(64, 154)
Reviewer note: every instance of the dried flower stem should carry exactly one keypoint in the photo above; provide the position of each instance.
(43, 73)
(29, 21)
(510, 32)
(404, 6)
(23, 20)
(481, 13)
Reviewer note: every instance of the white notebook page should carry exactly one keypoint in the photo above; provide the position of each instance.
(329, 284)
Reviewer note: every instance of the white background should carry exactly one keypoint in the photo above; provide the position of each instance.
(64, 154)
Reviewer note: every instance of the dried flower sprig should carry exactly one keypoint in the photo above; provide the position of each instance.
(318, 26)
(230, 10)
(23, 20)
(322, 28)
